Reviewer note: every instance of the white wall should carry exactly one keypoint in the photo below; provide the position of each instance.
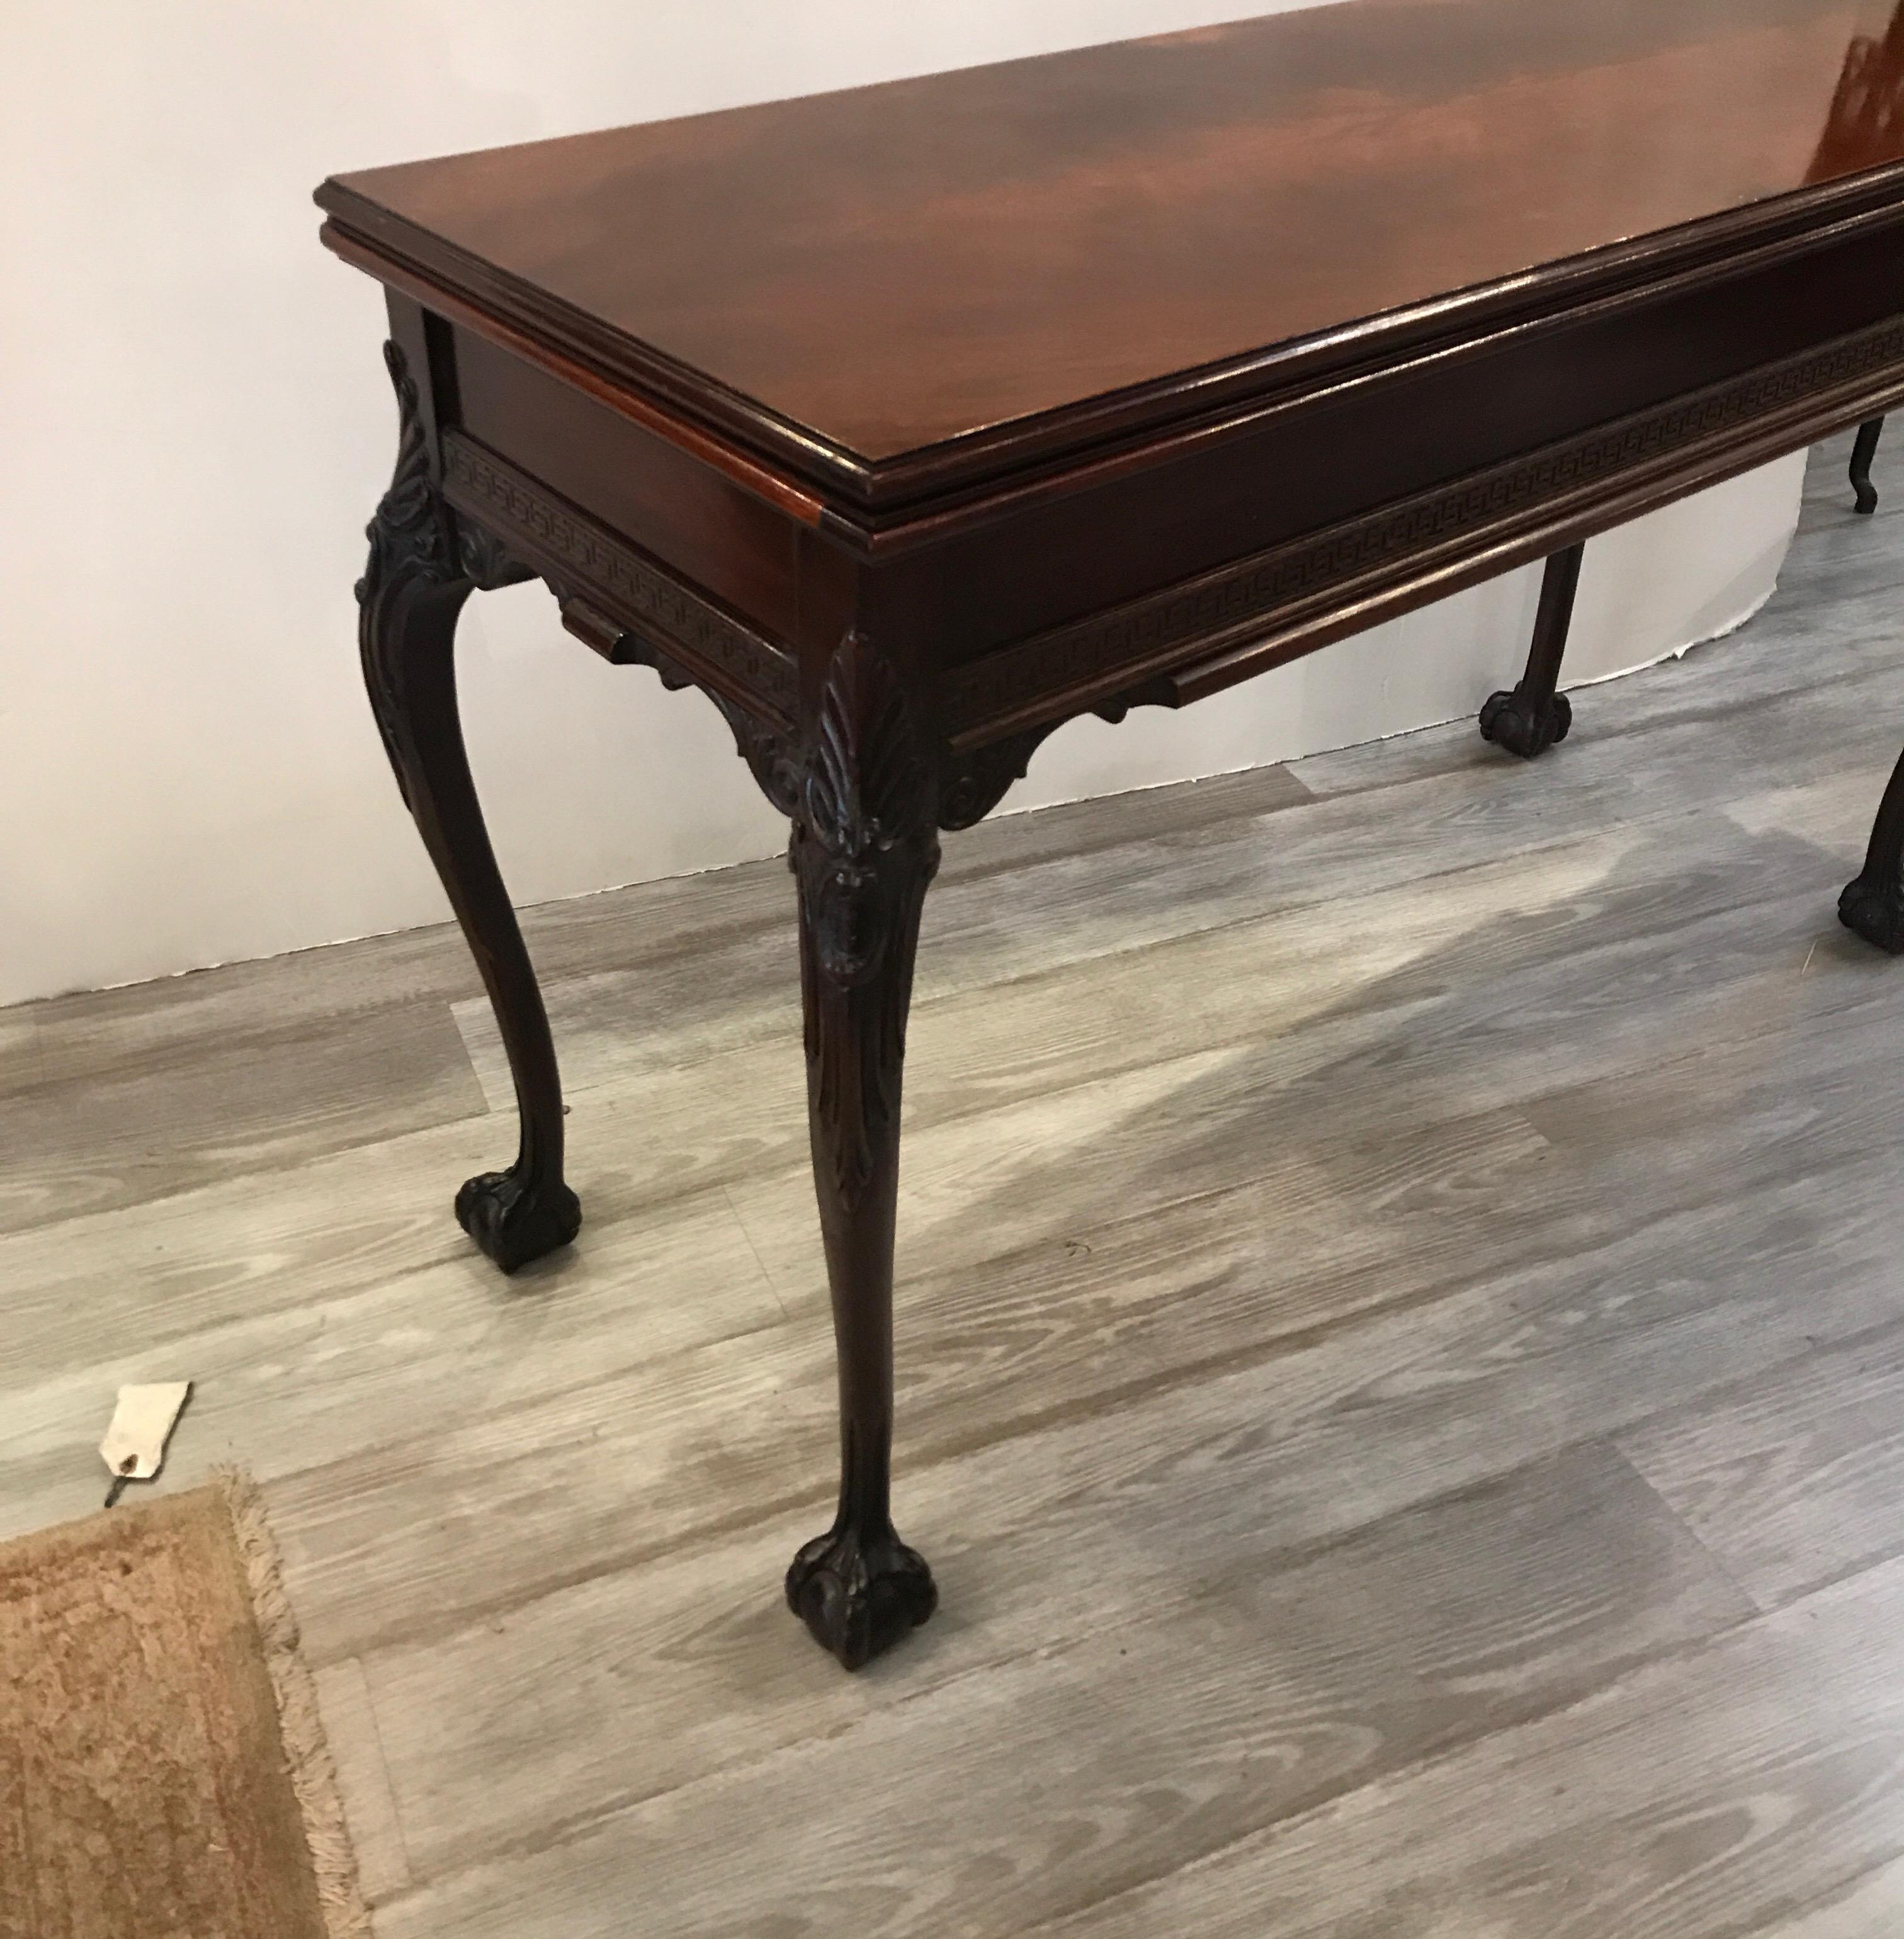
(194, 425)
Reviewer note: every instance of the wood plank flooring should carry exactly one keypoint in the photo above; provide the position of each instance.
(1401, 1338)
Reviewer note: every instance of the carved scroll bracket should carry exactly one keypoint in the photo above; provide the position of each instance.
(766, 745)
(971, 784)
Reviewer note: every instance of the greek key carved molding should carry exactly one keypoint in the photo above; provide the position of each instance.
(1180, 616)
(572, 547)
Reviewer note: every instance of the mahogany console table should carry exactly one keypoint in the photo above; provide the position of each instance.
(910, 422)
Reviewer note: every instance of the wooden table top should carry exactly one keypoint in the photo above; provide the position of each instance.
(877, 271)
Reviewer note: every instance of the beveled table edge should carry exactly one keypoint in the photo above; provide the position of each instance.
(867, 499)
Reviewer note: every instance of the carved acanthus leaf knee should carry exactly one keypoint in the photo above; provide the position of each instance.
(865, 846)
(419, 551)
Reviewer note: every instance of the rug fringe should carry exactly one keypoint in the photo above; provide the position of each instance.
(313, 1775)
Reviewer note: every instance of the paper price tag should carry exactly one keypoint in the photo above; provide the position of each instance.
(135, 1444)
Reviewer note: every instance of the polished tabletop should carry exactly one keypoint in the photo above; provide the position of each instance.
(892, 266)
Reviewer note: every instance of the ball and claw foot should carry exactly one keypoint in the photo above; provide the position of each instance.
(514, 1223)
(859, 1594)
(1525, 724)
(1875, 910)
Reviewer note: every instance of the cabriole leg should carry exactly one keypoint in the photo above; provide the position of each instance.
(418, 575)
(1873, 905)
(865, 845)
(1864, 448)
(1533, 716)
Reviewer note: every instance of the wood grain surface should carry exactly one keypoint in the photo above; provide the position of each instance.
(894, 266)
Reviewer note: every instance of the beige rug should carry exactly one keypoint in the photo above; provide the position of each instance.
(162, 1771)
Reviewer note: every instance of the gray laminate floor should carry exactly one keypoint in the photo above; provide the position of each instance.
(1401, 1354)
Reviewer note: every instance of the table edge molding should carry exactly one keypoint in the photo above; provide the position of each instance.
(907, 485)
